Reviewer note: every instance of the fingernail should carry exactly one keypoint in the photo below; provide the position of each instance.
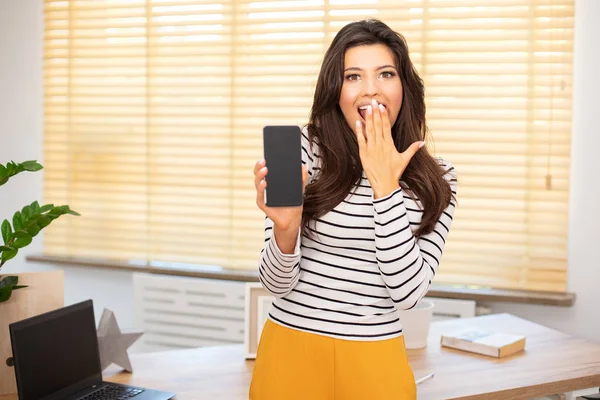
(381, 108)
(358, 123)
(262, 161)
(370, 110)
(374, 102)
(421, 144)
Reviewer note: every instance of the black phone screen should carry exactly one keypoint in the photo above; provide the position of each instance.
(283, 156)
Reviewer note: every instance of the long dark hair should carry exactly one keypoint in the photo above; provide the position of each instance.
(341, 167)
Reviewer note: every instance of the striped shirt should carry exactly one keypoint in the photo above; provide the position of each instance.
(360, 265)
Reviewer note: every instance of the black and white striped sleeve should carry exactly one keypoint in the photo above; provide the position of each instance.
(279, 272)
(408, 265)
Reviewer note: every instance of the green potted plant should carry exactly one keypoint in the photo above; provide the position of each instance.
(26, 224)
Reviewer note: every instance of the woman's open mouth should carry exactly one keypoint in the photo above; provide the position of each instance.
(362, 111)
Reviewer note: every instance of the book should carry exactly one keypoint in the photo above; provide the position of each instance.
(475, 340)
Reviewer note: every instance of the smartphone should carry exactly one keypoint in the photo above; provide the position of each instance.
(282, 148)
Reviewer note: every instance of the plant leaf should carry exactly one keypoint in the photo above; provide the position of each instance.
(12, 168)
(35, 206)
(54, 213)
(6, 231)
(31, 166)
(20, 234)
(32, 228)
(67, 210)
(26, 211)
(5, 293)
(7, 255)
(46, 207)
(7, 285)
(61, 210)
(17, 221)
(22, 242)
(9, 281)
(3, 172)
(5, 248)
(44, 220)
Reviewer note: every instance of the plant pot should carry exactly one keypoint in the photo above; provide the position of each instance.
(45, 293)
(415, 324)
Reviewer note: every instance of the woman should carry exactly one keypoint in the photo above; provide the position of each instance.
(367, 241)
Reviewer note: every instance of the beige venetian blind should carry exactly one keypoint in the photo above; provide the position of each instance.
(154, 112)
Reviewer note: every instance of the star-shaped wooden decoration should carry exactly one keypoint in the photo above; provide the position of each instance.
(113, 343)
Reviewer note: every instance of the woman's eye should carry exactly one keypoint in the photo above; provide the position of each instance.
(352, 77)
(388, 74)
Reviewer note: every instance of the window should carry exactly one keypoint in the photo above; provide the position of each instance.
(154, 112)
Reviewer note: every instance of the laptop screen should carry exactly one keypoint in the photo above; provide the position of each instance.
(56, 352)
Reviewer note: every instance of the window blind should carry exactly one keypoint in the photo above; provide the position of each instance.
(154, 112)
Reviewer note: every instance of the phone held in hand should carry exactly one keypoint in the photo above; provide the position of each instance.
(283, 156)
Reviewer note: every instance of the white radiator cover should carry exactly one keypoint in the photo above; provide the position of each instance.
(182, 312)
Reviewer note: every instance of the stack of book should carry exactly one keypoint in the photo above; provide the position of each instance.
(475, 340)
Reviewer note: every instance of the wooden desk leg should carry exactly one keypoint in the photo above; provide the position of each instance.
(582, 392)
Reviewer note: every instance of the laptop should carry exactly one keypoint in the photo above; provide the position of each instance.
(56, 356)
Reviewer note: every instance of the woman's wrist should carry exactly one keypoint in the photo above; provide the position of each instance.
(385, 190)
(286, 238)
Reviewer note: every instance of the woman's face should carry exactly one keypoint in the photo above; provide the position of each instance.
(370, 73)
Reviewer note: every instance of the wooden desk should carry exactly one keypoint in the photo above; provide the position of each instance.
(552, 363)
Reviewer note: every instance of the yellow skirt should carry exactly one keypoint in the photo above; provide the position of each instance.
(292, 364)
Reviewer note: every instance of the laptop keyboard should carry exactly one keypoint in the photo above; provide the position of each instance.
(112, 392)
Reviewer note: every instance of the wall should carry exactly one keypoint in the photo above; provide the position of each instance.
(20, 99)
(21, 116)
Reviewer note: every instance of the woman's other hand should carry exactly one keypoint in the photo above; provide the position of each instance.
(382, 163)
